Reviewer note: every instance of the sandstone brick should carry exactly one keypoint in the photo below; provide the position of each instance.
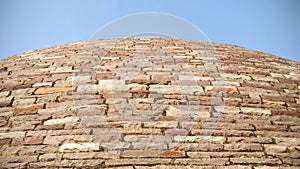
(137, 161)
(22, 92)
(266, 161)
(28, 109)
(165, 89)
(112, 85)
(25, 101)
(270, 127)
(12, 134)
(225, 154)
(149, 146)
(196, 147)
(195, 139)
(4, 94)
(173, 166)
(295, 128)
(49, 157)
(277, 134)
(161, 124)
(42, 84)
(87, 89)
(54, 140)
(79, 146)
(250, 139)
(5, 141)
(287, 141)
(204, 161)
(243, 147)
(6, 101)
(69, 163)
(89, 155)
(176, 132)
(256, 111)
(50, 127)
(46, 90)
(271, 148)
(22, 159)
(145, 154)
(274, 167)
(217, 89)
(70, 119)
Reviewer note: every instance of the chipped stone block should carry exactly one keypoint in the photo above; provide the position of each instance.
(42, 84)
(79, 146)
(256, 111)
(200, 139)
(6, 101)
(61, 121)
(4, 94)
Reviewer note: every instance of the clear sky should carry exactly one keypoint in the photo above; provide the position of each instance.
(266, 25)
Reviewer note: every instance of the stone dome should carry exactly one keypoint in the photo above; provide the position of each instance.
(149, 103)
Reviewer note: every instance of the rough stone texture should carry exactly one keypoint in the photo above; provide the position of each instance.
(149, 102)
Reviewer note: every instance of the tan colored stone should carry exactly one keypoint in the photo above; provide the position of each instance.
(46, 90)
(6, 101)
(243, 147)
(42, 84)
(272, 148)
(145, 153)
(256, 111)
(4, 94)
(12, 134)
(161, 124)
(273, 161)
(200, 139)
(79, 146)
(28, 109)
(61, 121)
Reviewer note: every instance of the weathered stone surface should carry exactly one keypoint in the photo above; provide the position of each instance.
(6, 101)
(28, 109)
(12, 134)
(45, 90)
(243, 147)
(79, 146)
(255, 161)
(144, 154)
(149, 102)
(61, 121)
(255, 111)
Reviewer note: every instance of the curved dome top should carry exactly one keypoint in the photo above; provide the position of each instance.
(149, 102)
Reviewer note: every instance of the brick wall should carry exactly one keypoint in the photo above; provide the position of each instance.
(149, 102)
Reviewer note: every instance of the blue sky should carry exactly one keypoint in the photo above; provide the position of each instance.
(266, 25)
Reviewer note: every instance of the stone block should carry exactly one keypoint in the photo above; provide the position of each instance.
(46, 90)
(61, 121)
(6, 101)
(152, 153)
(243, 147)
(28, 109)
(79, 146)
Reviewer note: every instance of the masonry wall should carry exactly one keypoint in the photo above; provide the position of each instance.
(149, 102)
